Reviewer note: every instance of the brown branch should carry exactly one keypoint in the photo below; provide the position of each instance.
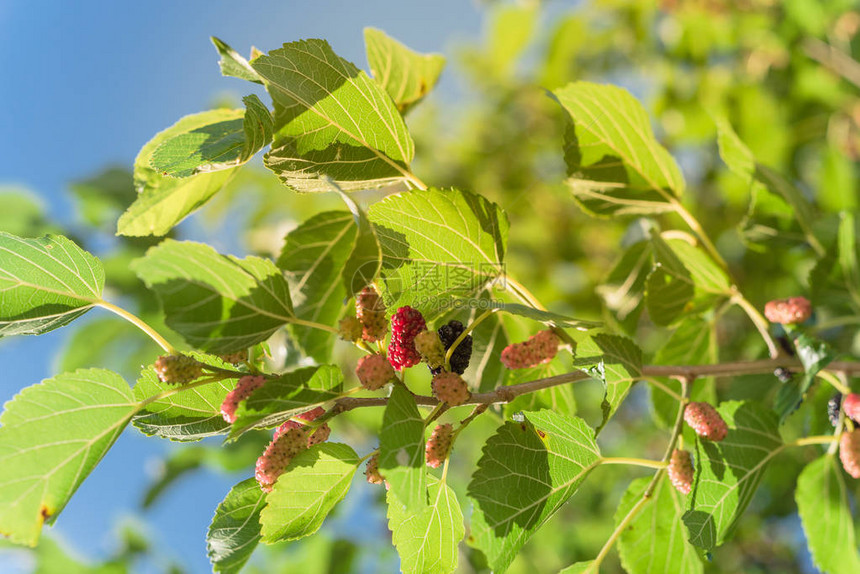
(688, 372)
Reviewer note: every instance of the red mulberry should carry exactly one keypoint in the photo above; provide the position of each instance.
(373, 371)
(450, 388)
(706, 421)
(406, 323)
(288, 441)
(246, 385)
(788, 311)
(540, 348)
(681, 471)
(851, 406)
(849, 452)
(438, 445)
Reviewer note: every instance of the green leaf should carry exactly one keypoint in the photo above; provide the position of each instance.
(669, 286)
(45, 283)
(733, 151)
(581, 568)
(728, 472)
(331, 121)
(235, 528)
(232, 64)
(847, 252)
(616, 165)
(546, 317)
(711, 284)
(313, 257)
(825, 512)
(365, 261)
(224, 143)
(314, 482)
(614, 360)
(287, 396)
(406, 75)
(218, 303)
(52, 436)
(527, 471)
(559, 399)
(623, 290)
(190, 415)
(401, 450)
(438, 245)
(163, 201)
(654, 542)
(814, 355)
(801, 207)
(427, 539)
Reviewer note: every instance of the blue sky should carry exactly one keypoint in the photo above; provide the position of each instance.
(86, 84)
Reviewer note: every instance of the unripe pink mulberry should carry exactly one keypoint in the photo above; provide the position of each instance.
(235, 358)
(849, 452)
(374, 371)
(540, 348)
(287, 443)
(350, 329)
(177, 369)
(320, 435)
(450, 388)
(312, 414)
(438, 445)
(246, 385)
(371, 313)
(706, 421)
(788, 311)
(851, 406)
(681, 471)
(371, 471)
(406, 323)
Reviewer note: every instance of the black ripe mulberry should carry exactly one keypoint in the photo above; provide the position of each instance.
(833, 406)
(461, 355)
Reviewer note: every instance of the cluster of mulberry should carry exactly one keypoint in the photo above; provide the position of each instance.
(177, 369)
(438, 445)
(370, 311)
(450, 388)
(681, 471)
(246, 385)
(540, 348)
(373, 371)
(406, 323)
(289, 440)
(706, 421)
(788, 311)
(449, 333)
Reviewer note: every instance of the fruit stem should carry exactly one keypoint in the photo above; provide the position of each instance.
(835, 382)
(758, 321)
(139, 323)
(818, 439)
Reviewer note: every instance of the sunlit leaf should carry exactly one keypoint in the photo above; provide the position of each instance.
(235, 528)
(401, 450)
(233, 64)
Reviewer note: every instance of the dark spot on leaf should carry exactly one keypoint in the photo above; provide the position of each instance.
(46, 514)
(541, 433)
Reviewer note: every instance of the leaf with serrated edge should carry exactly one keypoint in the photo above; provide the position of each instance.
(52, 436)
(218, 303)
(287, 396)
(235, 528)
(164, 201)
(655, 542)
(527, 471)
(406, 75)
(614, 360)
(331, 121)
(232, 64)
(427, 539)
(314, 482)
(438, 245)
(401, 449)
(728, 472)
(45, 283)
(616, 164)
(222, 144)
(312, 259)
(191, 415)
(825, 512)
